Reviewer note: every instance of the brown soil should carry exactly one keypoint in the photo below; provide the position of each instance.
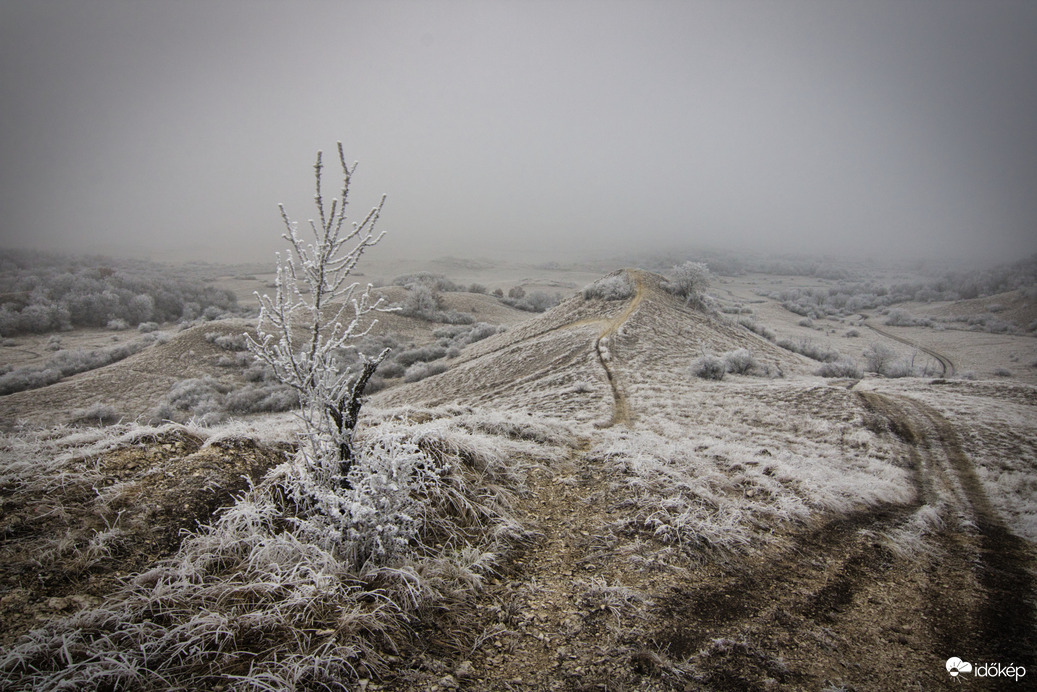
(150, 490)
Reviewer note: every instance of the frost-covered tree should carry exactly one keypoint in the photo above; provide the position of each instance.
(315, 313)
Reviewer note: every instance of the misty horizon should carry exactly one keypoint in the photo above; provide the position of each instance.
(524, 130)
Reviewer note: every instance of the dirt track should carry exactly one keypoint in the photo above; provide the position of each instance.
(945, 362)
(832, 603)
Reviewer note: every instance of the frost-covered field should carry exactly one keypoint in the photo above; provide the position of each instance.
(629, 489)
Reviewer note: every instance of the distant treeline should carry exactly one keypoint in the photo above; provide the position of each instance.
(44, 292)
(934, 286)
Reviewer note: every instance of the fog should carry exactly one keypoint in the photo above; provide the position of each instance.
(523, 129)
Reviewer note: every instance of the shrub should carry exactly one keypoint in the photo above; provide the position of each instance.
(420, 371)
(810, 349)
(878, 357)
(433, 282)
(757, 328)
(611, 287)
(708, 368)
(739, 361)
(844, 367)
(688, 281)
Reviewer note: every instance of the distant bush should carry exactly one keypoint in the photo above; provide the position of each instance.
(228, 342)
(708, 368)
(844, 367)
(878, 357)
(536, 301)
(46, 292)
(612, 287)
(757, 328)
(98, 414)
(1003, 372)
(424, 303)
(433, 282)
(420, 371)
(688, 281)
(898, 317)
(739, 362)
(477, 288)
(810, 349)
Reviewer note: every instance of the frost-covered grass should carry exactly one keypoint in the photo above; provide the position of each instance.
(717, 491)
(298, 585)
(66, 363)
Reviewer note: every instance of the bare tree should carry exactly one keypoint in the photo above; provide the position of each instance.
(301, 333)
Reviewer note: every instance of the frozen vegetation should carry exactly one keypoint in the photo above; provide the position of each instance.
(42, 293)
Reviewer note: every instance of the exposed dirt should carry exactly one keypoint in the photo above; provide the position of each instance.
(66, 550)
(829, 604)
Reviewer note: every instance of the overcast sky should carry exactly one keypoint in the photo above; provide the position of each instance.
(172, 129)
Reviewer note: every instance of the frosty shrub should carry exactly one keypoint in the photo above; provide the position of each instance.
(420, 371)
(757, 328)
(810, 349)
(844, 367)
(878, 358)
(434, 282)
(612, 287)
(535, 301)
(423, 303)
(688, 281)
(740, 361)
(314, 314)
(708, 368)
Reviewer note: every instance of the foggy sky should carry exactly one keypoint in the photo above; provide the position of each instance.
(173, 129)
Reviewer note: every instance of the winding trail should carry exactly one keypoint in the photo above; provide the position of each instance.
(944, 361)
(620, 407)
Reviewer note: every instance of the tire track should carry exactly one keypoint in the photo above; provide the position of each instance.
(1006, 623)
(944, 361)
(970, 594)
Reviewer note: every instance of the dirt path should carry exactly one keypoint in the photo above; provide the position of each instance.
(830, 604)
(620, 407)
(1005, 623)
(945, 362)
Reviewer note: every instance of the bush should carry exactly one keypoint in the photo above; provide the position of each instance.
(61, 292)
(810, 349)
(420, 371)
(844, 367)
(433, 282)
(688, 281)
(739, 361)
(612, 287)
(709, 368)
(878, 357)
(757, 328)
(98, 414)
